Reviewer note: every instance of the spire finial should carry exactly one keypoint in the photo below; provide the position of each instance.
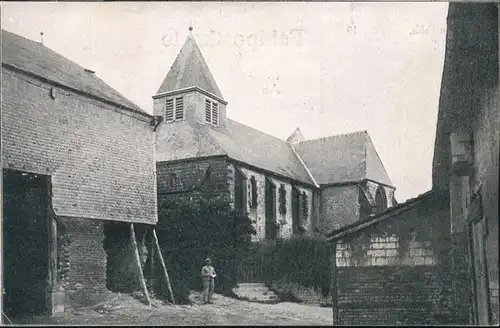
(190, 27)
(41, 37)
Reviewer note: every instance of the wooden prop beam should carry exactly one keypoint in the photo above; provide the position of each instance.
(138, 262)
(163, 266)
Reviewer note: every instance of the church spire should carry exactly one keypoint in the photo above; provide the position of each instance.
(190, 70)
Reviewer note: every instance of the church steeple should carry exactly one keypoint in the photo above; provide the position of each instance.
(190, 78)
(190, 70)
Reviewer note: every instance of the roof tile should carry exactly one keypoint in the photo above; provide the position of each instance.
(37, 59)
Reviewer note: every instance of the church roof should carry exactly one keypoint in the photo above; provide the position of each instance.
(190, 70)
(37, 59)
(336, 159)
(240, 142)
(343, 158)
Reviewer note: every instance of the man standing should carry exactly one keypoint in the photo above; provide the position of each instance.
(208, 275)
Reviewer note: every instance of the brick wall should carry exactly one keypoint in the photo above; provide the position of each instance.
(397, 271)
(393, 295)
(82, 260)
(339, 206)
(101, 158)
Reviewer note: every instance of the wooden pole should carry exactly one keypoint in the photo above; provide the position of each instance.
(151, 256)
(139, 266)
(163, 266)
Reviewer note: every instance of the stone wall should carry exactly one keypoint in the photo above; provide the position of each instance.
(189, 175)
(389, 192)
(257, 213)
(383, 251)
(339, 206)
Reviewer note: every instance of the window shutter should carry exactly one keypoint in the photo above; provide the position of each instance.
(215, 113)
(169, 110)
(208, 113)
(179, 108)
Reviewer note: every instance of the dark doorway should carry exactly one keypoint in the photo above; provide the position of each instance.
(121, 266)
(25, 242)
(271, 227)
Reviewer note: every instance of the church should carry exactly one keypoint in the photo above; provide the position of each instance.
(287, 187)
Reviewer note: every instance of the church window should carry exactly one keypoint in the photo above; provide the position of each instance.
(240, 191)
(305, 208)
(211, 112)
(380, 201)
(174, 109)
(253, 184)
(282, 196)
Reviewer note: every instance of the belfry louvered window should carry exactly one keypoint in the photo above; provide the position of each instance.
(211, 112)
(174, 109)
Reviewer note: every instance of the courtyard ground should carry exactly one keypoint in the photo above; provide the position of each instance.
(124, 309)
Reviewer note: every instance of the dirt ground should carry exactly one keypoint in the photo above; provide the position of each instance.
(124, 309)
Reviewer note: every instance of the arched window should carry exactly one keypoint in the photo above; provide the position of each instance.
(380, 200)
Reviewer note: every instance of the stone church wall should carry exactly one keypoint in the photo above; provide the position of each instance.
(189, 175)
(257, 214)
(339, 207)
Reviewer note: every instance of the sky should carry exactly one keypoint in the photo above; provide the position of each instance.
(327, 68)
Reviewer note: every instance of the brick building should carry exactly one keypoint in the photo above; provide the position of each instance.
(78, 165)
(394, 268)
(287, 187)
(434, 259)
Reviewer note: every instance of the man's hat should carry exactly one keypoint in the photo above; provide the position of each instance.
(207, 260)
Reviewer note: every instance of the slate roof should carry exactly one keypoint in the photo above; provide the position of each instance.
(240, 142)
(343, 158)
(188, 70)
(37, 59)
(388, 213)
